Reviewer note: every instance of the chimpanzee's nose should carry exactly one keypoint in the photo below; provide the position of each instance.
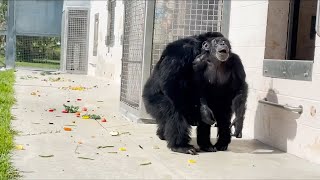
(222, 43)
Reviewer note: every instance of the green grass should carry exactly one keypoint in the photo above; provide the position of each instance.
(51, 64)
(37, 65)
(7, 79)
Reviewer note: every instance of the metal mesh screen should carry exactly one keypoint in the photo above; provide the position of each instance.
(2, 51)
(3, 27)
(38, 52)
(3, 14)
(112, 9)
(132, 52)
(77, 38)
(177, 19)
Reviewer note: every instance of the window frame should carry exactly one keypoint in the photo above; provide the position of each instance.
(110, 37)
(300, 70)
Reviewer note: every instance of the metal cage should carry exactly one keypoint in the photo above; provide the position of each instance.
(149, 26)
(76, 37)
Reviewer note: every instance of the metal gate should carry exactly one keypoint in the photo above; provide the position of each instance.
(148, 27)
(133, 38)
(75, 35)
(32, 32)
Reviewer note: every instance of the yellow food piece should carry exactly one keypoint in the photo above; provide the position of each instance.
(85, 117)
(19, 147)
(122, 149)
(192, 161)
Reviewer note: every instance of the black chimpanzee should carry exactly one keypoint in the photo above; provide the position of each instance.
(171, 95)
(214, 53)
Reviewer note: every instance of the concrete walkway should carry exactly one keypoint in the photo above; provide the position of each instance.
(50, 152)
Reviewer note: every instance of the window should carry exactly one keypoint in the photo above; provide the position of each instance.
(291, 30)
(95, 38)
(290, 36)
(111, 22)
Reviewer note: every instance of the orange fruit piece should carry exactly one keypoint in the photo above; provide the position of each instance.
(67, 129)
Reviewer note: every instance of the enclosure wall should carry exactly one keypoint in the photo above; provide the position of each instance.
(290, 132)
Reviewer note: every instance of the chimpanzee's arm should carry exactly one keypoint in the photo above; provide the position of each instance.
(240, 99)
(199, 67)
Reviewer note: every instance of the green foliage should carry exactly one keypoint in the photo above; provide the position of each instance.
(6, 134)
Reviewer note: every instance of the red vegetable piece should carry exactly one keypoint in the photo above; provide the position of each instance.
(84, 109)
(64, 111)
(104, 120)
(79, 99)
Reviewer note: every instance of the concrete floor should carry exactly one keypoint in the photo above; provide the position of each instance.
(245, 159)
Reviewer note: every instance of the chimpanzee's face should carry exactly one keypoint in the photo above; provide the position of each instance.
(218, 47)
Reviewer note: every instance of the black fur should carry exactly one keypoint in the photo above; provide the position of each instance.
(170, 97)
(229, 75)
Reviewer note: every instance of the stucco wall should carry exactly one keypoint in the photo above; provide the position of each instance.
(107, 63)
(295, 134)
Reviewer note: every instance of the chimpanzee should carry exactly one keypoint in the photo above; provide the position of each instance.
(171, 96)
(205, 65)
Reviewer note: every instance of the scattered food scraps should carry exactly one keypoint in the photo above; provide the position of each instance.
(79, 142)
(126, 133)
(122, 149)
(46, 156)
(55, 79)
(70, 125)
(84, 109)
(71, 109)
(113, 152)
(28, 77)
(19, 147)
(67, 129)
(85, 117)
(33, 93)
(91, 116)
(78, 113)
(94, 116)
(114, 133)
(50, 123)
(156, 147)
(104, 120)
(140, 147)
(103, 147)
(192, 161)
(51, 109)
(85, 158)
(79, 99)
(145, 163)
(64, 111)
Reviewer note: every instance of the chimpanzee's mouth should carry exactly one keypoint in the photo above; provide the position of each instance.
(223, 51)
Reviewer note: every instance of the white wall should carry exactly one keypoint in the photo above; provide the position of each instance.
(298, 135)
(107, 64)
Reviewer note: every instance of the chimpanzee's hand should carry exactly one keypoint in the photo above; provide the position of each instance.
(238, 125)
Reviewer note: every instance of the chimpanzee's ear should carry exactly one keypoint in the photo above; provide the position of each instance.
(205, 46)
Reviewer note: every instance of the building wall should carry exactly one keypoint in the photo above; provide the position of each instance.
(107, 63)
(293, 133)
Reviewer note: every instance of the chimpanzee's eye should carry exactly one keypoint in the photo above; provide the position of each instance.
(206, 45)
